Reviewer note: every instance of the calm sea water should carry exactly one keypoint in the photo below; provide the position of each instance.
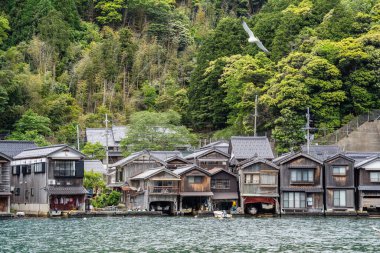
(181, 234)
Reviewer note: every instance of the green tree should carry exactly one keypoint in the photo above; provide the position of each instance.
(156, 131)
(95, 181)
(4, 28)
(31, 121)
(94, 150)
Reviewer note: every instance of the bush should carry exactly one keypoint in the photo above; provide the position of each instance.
(104, 200)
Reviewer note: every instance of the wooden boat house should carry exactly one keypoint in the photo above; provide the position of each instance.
(301, 183)
(258, 180)
(225, 189)
(339, 177)
(195, 190)
(157, 190)
(368, 184)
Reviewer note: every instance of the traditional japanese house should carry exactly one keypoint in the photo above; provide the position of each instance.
(339, 184)
(301, 184)
(48, 179)
(224, 186)
(195, 190)
(258, 180)
(112, 138)
(158, 190)
(176, 162)
(245, 147)
(9, 149)
(220, 145)
(209, 159)
(368, 184)
(122, 171)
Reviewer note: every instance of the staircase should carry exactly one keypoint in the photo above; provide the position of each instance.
(362, 134)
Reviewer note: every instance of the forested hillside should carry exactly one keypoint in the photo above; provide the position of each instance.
(68, 62)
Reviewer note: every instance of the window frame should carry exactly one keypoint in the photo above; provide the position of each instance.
(71, 172)
(339, 174)
(337, 196)
(374, 173)
(294, 200)
(269, 175)
(300, 177)
(221, 184)
(193, 181)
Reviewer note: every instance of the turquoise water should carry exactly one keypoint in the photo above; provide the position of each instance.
(181, 234)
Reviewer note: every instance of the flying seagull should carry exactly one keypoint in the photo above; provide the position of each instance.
(253, 39)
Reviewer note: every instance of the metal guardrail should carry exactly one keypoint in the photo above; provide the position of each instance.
(345, 130)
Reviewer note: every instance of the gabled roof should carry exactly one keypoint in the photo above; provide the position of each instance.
(152, 172)
(135, 156)
(255, 160)
(322, 152)
(215, 171)
(277, 160)
(296, 155)
(164, 155)
(5, 156)
(204, 152)
(177, 158)
(340, 155)
(220, 145)
(13, 148)
(44, 151)
(361, 156)
(185, 169)
(367, 161)
(244, 147)
(115, 135)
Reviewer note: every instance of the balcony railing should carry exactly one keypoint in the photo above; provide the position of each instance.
(163, 190)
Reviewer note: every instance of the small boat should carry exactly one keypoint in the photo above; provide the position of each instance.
(267, 206)
(55, 213)
(222, 214)
(252, 210)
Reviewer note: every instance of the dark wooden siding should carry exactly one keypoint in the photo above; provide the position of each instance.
(262, 190)
(339, 181)
(226, 176)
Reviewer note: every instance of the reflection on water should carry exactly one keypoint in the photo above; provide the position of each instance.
(180, 234)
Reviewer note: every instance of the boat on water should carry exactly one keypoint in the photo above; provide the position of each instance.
(222, 214)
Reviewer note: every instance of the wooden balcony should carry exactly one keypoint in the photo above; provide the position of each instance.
(163, 190)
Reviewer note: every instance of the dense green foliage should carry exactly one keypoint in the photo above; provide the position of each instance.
(94, 180)
(103, 200)
(68, 62)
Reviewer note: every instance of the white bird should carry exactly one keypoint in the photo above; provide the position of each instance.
(253, 39)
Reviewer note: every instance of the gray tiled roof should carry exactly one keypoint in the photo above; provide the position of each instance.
(94, 135)
(39, 152)
(361, 156)
(164, 155)
(322, 152)
(134, 156)
(220, 145)
(152, 172)
(185, 169)
(119, 132)
(244, 147)
(361, 163)
(13, 148)
(94, 165)
(249, 162)
(205, 151)
(66, 190)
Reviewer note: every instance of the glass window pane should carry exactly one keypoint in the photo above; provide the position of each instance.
(297, 200)
(342, 198)
(291, 199)
(311, 176)
(302, 200)
(256, 179)
(286, 199)
(293, 175)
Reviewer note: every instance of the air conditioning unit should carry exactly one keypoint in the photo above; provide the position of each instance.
(58, 183)
(68, 183)
(51, 182)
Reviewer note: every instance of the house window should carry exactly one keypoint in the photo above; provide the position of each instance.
(26, 169)
(302, 176)
(16, 170)
(340, 198)
(269, 179)
(17, 191)
(31, 192)
(294, 200)
(252, 179)
(194, 179)
(339, 171)
(26, 194)
(220, 184)
(374, 176)
(64, 168)
(38, 167)
(119, 176)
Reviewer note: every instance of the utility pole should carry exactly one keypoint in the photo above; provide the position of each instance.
(307, 128)
(255, 115)
(106, 121)
(78, 137)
